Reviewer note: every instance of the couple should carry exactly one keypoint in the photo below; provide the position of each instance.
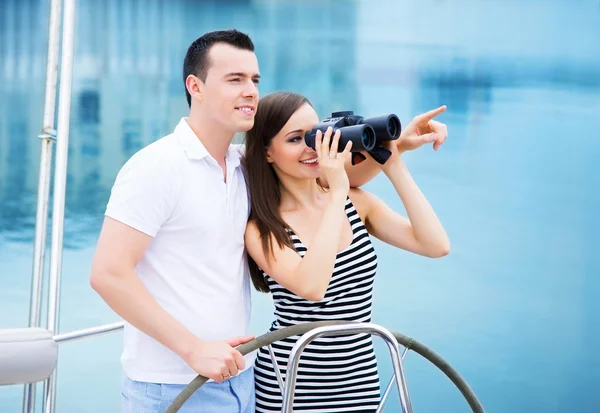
(190, 213)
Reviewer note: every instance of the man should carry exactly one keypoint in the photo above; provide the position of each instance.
(170, 258)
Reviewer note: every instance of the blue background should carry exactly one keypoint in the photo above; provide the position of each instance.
(514, 306)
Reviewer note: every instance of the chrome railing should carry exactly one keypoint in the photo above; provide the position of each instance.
(369, 328)
(88, 332)
(48, 136)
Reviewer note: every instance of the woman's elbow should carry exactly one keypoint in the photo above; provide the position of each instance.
(313, 294)
(316, 296)
(439, 251)
(311, 288)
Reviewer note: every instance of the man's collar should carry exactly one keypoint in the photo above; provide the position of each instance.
(194, 148)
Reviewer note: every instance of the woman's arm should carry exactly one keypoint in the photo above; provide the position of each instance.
(422, 233)
(306, 277)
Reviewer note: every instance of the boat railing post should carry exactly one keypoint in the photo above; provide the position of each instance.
(47, 139)
(355, 328)
(60, 180)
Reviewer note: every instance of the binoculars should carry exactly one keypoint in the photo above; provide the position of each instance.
(366, 134)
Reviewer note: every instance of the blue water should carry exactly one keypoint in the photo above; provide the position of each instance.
(514, 307)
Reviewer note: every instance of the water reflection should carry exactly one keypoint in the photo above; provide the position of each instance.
(127, 89)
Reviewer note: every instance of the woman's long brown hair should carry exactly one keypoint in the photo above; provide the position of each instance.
(272, 113)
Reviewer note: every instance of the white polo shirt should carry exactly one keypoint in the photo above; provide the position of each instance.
(195, 266)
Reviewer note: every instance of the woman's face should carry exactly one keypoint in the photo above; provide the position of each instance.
(288, 152)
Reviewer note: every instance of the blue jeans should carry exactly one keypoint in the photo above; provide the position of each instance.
(235, 395)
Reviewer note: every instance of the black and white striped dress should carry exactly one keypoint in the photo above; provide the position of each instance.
(336, 374)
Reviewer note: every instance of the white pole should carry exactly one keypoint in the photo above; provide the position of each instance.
(43, 184)
(60, 180)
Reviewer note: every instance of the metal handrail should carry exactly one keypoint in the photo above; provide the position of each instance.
(300, 329)
(388, 389)
(43, 196)
(48, 136)
(354, 328)
(88, 332)
(296, 330)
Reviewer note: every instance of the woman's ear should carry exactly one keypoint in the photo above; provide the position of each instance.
(268, 155)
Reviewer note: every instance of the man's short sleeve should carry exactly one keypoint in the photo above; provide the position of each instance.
(144, 193)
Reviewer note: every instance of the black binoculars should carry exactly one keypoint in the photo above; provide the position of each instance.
(366, 134)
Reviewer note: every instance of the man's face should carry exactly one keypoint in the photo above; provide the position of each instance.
(230, 92)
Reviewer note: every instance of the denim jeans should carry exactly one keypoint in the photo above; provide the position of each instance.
(235, 395)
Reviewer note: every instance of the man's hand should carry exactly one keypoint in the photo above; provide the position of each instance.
(218, 360)
(421, 130)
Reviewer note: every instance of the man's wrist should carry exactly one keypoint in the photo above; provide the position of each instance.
(187, 347)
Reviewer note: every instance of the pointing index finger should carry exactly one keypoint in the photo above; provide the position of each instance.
(427, 116)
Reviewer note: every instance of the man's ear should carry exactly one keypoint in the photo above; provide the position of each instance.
(194, 87)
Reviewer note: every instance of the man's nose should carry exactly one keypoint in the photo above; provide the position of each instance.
(251, 89)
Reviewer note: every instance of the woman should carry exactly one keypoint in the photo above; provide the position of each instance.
(311, 248)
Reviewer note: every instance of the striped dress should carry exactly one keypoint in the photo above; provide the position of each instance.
(336, 374)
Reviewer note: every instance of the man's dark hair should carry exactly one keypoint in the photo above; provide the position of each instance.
(196, 59)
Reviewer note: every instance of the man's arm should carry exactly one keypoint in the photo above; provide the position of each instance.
(119, 249)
